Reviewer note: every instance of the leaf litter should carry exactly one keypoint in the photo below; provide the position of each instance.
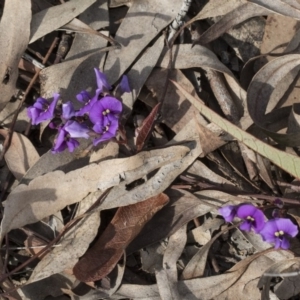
(140, 214)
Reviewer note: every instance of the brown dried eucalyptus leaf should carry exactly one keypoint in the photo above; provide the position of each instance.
(21, 155)
(146, 127)
(99, 260)
(14, 38)
(54, 17)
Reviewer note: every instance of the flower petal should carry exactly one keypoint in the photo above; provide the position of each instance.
(83, 96)
(68, 110)
(246, 226)
(60, 144)
(287, 226)
(72, 144)
(228, 212)
(77, 130)
(102, 82)
(105, 137)
(112, 104)
(268, 232)
(86, 109)
(124, 85)
(245, 210)
(48, 113)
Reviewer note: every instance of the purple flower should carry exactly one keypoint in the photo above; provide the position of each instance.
(279, 203)
(252, 216)
(124, 85)
(102, 82)
(88, 104)
(83, 96)
(106, 107)
(67, 134)
(278, 231)
(228, 212)
(64, 141)
(42, 110)
(68, 110)
(77, 130)
(107, 129)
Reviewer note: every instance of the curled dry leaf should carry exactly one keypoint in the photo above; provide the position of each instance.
(186, 56)
(231, 19)
(262, 87)
(286, 161)
(54, 17)
(100, 260)
(47, 194)
(14, 37)
(21, 155)
(288, 269)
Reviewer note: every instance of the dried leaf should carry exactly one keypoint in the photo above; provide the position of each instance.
(261, 88)
(217, 8)
(166, 277)
(176, 111)
(135, 33)
(146, 127)
(286, 161)
(196, 266)
(289, 8)
(21, 155)
(186, 56)
(72, 246)
(120, 196)
(167, 289)
(14, 37)
(49, 286)
(231, 19)
(140, 71)
(54, 17)
(76, 73)
(49, 193)
(287, 269)
(64, 161)
(182, 208)
(123, 228)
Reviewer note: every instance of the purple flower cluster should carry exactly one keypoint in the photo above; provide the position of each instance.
(98, 118)
(276, 231)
